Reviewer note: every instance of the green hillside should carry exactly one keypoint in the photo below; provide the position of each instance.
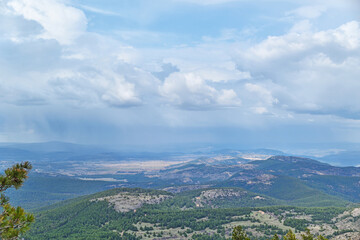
(82, 218)
(219, 198)
(345, 187)
(291, 190)
(42, 190)
(163, 215)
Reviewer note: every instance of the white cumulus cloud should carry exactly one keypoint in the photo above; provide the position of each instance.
(59, 21)
(190, 91)
(313, 72)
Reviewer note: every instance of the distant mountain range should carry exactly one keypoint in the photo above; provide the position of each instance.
(255, 170)
(244, 182)
(343, 158)
(39, 150)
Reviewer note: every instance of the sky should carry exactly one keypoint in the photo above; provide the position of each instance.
(161, 73)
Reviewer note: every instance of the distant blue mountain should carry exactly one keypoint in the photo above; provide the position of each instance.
(345, 158)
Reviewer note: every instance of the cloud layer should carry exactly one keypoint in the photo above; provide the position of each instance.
(53, 56)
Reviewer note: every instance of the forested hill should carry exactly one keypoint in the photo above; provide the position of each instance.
(209, 213)
(195, 198)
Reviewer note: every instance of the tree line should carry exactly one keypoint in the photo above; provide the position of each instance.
(240, 234)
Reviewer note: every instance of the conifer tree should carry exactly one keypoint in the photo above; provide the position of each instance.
(275, 237)
(14, 221)
(239, 234)
(307, 235)
(290, 236)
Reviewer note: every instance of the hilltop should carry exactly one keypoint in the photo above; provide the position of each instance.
(151, 214)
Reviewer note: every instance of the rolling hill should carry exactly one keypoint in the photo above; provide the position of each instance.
(213, 212)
